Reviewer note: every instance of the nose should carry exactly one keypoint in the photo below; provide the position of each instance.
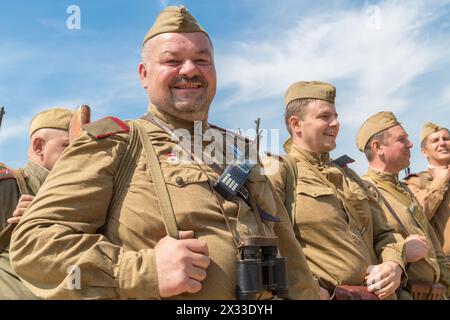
(189, 69)
(334, 123)
(409, 144)
(442, 142)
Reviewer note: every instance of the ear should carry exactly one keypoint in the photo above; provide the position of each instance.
(295, 124)
(38, 146)
(375, 145)
(143, 75)
(424, 152)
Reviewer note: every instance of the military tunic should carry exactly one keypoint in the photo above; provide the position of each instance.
(10, 285)
(434, 196)
(70, 224)
(432, 268)
(340, 239)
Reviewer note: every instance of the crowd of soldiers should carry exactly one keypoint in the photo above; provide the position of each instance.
(116, 214)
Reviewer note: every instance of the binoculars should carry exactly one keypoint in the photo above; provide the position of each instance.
(259, 269)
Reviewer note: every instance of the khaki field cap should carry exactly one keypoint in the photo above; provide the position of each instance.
(176, 20)
(56, 118)
(310, 90)
(429, 128)
(375, 124)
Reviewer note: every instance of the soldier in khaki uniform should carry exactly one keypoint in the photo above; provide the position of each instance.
(337, 223)
(113, 223)
(431, 187)
(48, 138)
(387, 148)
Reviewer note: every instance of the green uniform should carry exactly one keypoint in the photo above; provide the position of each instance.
(11, 286)
(114, 247)
(339, 226)
(432, 268)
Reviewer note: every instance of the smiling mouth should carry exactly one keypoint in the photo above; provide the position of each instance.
(188, 86)
(330, 134)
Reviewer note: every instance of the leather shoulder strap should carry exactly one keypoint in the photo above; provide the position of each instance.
(165, 204)
(291, 186)
(391, 210)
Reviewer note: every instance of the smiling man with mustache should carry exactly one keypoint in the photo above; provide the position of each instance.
(431, 187)
(139, 223)
(341, 229)
(388, 150)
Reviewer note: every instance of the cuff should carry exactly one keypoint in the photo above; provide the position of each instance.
(439, 186)
(137, 276)
(400, 259)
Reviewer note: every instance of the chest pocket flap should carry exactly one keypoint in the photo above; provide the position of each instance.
(313, 190)
(181, 175)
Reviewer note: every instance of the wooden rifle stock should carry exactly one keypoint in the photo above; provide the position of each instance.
(81, 116)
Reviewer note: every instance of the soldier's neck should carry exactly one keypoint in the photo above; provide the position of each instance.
(311, 156)
(177, 123)
(435, 164)
(381, 166)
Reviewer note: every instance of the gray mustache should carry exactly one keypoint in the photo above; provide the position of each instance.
(185, 80)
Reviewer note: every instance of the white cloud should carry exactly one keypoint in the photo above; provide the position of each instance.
(374, 66)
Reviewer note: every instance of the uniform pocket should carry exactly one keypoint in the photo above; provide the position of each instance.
(313, 191)
(182, 175)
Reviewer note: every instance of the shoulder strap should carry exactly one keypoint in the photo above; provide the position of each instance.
(290, 187)
(19, 175)
(126, 168)
(106, 127)
(343, 161)
(165, 204)
(390, 209)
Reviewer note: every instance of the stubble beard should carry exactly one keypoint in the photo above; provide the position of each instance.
(194, 109)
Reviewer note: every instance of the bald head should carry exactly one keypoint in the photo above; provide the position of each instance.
(46, 146)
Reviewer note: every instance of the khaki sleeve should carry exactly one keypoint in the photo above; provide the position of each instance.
(57, 249)
(302, 285)
(444, 265)
(430, 198)
(9, 193)
(387, 243)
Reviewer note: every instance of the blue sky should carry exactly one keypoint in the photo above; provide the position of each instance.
(381, 55)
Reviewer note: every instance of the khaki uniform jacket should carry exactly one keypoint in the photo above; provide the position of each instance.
(9, 190)
(70, 224)
(432, 268)
(10, 285)
(434, 196)
(339, 244)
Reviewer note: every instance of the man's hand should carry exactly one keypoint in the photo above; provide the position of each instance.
(416, 248)
(384, 279)
(181, 264)
(441, 174)
(22, 205)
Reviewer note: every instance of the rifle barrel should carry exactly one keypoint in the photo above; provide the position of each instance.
(2, 112)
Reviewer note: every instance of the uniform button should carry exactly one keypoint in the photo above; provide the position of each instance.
(179, 181)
